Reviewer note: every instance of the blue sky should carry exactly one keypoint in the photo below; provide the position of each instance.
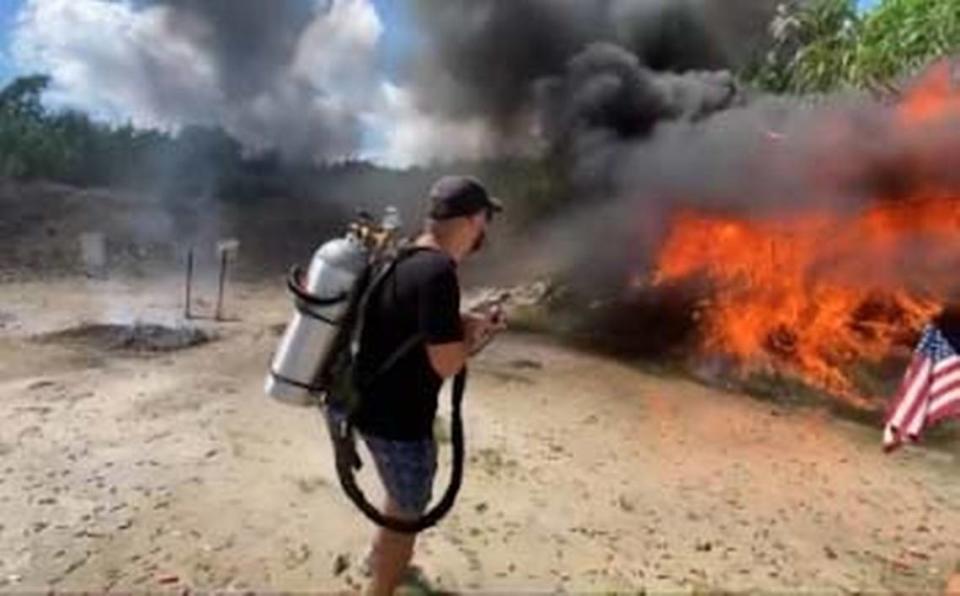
(397, 36)
(8, 13)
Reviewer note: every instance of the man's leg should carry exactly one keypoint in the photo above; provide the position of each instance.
(953, 583)
(407, 469)
(391, 556)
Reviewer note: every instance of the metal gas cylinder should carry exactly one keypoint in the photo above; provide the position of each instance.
(306, 343)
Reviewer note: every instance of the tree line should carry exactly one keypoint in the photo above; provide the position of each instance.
(814, 46)
(821, 46)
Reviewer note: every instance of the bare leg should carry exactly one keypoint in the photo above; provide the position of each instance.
(953, 584)
(392, 553)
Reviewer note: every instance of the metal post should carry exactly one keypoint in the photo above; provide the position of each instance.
(189, 285)
(226, 249)
(223, 276)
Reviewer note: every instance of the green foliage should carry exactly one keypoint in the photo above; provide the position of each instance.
(21, 98)
(825, 45)
(903, 36)
(24, 142)
(812, 47)
(67, 146)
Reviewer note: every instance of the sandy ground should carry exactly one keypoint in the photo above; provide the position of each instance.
(165, 472)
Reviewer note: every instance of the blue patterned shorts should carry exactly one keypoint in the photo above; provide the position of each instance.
(407, 470)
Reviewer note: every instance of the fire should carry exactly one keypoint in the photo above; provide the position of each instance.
(933, 98)
(813, 293)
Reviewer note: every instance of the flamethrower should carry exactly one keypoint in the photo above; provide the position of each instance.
(490, 308)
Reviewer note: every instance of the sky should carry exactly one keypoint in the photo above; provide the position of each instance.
(396, 37)
(8, 13)
(397, 34)
(340, 93)
(344, 85)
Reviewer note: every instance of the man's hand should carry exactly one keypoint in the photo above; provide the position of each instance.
(480, 328)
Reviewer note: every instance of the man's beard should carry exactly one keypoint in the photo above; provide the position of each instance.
(479, 243)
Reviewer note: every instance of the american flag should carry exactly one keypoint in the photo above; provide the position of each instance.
(930, 391)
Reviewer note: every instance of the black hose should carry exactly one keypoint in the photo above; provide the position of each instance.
(295, 285)
(348, 461)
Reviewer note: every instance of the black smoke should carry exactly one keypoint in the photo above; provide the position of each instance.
(606, 90)
(250, 41)
(253, 46)
(490, 58)
(637, 102)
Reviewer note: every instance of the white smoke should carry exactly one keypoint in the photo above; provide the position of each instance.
(412, 136)
(300, 76)
(109, 59)
(303, 89)
(304, 76)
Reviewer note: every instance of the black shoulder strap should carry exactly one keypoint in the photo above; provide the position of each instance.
(376, 283)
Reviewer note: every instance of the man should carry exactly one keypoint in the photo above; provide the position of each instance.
(421, 298)
(953, 584)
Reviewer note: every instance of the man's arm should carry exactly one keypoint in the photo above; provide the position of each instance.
(440, 323)
(449, 359)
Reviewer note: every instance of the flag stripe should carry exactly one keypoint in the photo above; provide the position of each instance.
(916, 398)
(944, 398)
(946, 366)
(943, 391)
(945, 410)
(914, 426)
(930, 390)
(905, 385)
(945, 385)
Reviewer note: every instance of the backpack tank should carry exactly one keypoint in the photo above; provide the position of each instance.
(306, 343)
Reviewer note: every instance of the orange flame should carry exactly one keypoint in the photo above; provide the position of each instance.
(813, 293)
(933, 98)
(816, 294)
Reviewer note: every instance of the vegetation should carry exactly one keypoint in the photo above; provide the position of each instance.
(826, 45)
(70, 147)
(817, 46)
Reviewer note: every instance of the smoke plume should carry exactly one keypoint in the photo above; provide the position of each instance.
(292, 75)
(490, 58)
(637, 101)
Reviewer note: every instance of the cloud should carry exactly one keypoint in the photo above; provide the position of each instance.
(304, 76)
(411, 136)
(295, 75)
(107, 58)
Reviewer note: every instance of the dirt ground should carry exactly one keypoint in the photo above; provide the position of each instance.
(135, 472)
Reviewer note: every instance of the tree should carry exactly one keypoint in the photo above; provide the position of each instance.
(21, 98)
(813, 47)
(825, 45)
(28, 145)
(902, 37)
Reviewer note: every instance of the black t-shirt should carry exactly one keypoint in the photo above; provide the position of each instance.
(420, 297)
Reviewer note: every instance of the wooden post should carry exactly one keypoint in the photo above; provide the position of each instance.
(225, 248)
(223, 277)
(189, 286)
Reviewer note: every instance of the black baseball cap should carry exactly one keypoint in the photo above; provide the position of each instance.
(460, 196)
